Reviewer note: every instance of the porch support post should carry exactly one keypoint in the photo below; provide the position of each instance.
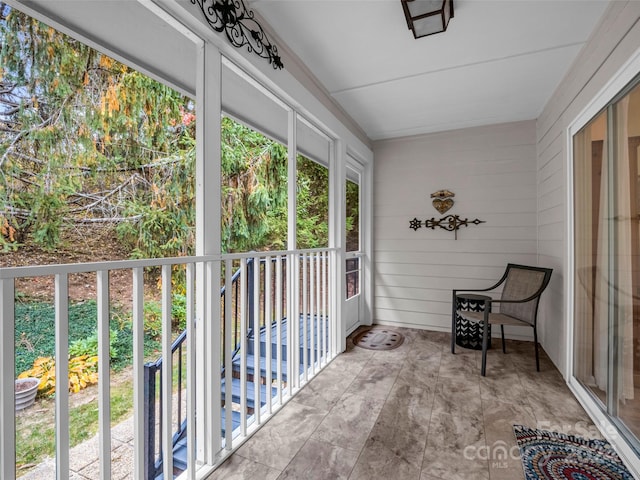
(7, 365)
(292, 183)
(166, 374)
(366, 239)
(191, 377)
(337, 239)
(208, 238)
(139, 434)
(62, 371)
(104, 373)
(293, 285)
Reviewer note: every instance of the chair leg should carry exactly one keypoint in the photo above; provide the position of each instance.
(535, 340)
(504, 348)
(485, 344)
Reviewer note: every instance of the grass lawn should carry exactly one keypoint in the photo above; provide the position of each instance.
(35, 427)
(35, 337)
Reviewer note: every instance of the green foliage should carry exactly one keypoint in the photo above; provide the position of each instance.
(87, 139)
(254, 188)
(89, 346)
(164, 215)
(83, 371)
(353, 216)
(153, 315)
(312, 204)
(46, 221)
(153, 319)
(35, 332)
(179, 311)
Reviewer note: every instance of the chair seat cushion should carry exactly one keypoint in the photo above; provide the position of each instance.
(494, 318)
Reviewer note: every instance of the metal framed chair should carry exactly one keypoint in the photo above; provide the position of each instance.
(523, 286)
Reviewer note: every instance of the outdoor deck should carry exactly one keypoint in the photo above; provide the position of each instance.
(410, 413)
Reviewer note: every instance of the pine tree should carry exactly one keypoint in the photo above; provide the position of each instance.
(86, 140)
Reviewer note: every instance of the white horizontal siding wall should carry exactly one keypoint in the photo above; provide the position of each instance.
(611, 44)
(492, 170)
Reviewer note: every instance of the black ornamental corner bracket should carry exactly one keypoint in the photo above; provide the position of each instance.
(240, 26)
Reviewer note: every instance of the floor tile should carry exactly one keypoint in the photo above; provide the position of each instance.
(383, 460)
(502, 385)
(375, 380)
(319, 461)
(503, 453)
(456, 448)
(499, 418)
(397, 443)
(239, 468)
(417, 412)
(276, 443)
(350, 421)
(458, 364)
(421, 370)
(458, 397)
(325, 389)
(408, 408)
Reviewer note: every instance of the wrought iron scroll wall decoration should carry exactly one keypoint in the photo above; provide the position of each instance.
(443, 201)
(451, 223)
(239, 24)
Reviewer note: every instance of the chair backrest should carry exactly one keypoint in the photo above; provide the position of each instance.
(522, 281)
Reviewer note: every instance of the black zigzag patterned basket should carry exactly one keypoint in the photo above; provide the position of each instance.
(469, 334)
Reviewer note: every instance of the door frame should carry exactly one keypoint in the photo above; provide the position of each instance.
(607, 425)
(354, 167)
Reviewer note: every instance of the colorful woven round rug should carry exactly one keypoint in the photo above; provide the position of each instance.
(556, 456)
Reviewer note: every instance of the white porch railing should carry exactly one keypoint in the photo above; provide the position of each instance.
(277, 330)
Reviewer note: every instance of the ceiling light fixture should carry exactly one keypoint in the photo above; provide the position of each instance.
(239, 24)
(426, 17)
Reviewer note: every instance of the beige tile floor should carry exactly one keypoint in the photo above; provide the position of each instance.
(417, 412)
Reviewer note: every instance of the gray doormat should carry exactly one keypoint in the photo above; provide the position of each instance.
(378, 339)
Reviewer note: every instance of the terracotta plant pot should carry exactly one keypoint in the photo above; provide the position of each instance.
(25, 391)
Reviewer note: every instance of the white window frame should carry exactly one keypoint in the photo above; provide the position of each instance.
(613, 87)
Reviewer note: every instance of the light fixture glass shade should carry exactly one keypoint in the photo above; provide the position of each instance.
(426, 17)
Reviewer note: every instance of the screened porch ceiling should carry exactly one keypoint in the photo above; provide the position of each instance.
(499, 61)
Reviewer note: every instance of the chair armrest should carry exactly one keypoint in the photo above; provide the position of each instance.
(524, 300)
(467, 290)
(492, 287)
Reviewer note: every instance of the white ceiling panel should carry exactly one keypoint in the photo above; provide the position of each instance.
(510, 90)
(499, 60)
